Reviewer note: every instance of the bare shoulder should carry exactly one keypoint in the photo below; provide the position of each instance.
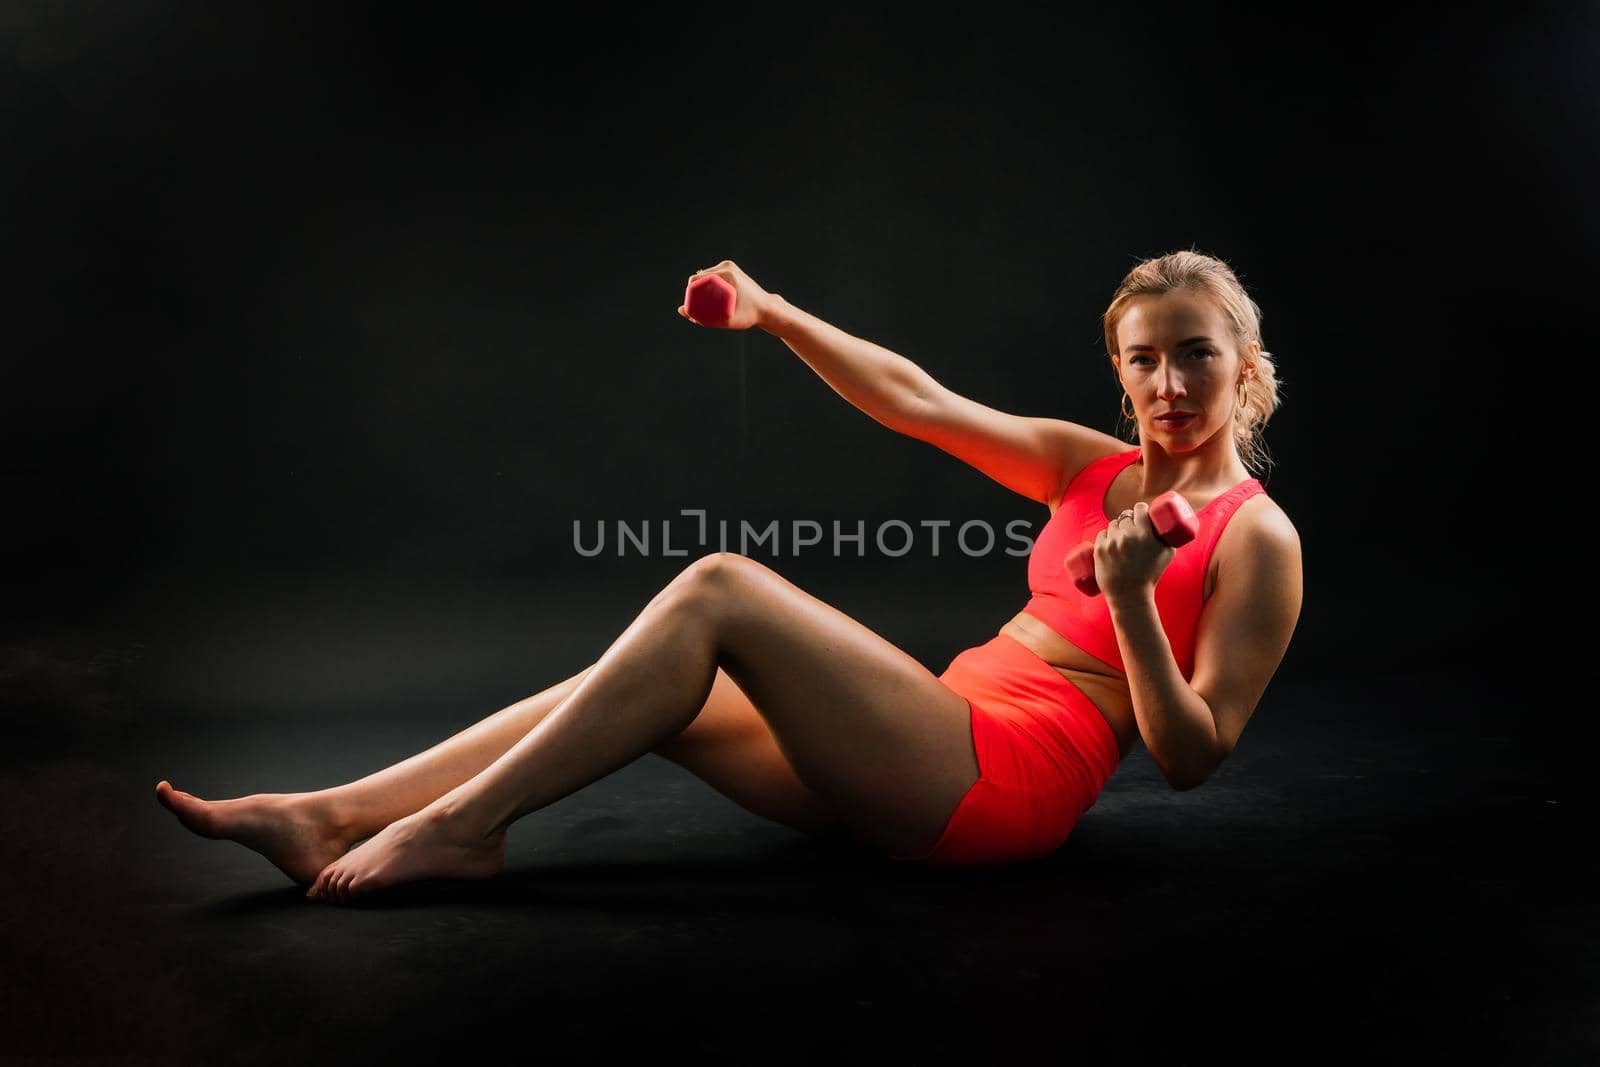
(1259, 533)
(1085, 445)
(1263, 512)
(1080, 446)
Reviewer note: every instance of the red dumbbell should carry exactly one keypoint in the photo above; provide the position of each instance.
(709, 300)
(1175, 524)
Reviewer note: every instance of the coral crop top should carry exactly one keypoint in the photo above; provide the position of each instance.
(1086, 621)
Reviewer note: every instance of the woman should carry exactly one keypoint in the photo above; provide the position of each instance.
(805, 716)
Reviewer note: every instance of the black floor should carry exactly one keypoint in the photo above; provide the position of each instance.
(1384, 868)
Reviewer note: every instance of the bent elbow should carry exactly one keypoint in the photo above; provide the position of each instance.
(1194, 776)
(1182, 779)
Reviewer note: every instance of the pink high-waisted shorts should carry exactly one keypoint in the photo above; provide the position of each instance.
(1044, 754)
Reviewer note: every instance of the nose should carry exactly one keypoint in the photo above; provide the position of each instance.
(1171, 383)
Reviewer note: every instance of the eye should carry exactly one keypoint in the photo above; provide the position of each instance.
(1193, 352)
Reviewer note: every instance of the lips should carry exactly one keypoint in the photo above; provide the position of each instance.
(1175, 417)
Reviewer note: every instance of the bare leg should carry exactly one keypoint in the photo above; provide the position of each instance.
(867, 726)
(301, 833)
(728, 745)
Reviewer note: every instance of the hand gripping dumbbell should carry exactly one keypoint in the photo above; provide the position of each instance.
(1175, 524)
(709, 300)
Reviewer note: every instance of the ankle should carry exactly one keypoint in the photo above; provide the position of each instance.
(474, 819)
(339, 812)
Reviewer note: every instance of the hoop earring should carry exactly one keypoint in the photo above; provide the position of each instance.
(1129, 415)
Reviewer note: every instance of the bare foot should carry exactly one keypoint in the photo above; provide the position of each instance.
(297, 832)
(425, 844)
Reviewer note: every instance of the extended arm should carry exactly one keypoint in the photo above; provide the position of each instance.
(1028, 454)
(881, 383)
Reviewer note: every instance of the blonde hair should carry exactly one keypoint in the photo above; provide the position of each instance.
(1214, 278)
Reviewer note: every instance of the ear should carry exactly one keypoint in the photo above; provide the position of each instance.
(1254, 354)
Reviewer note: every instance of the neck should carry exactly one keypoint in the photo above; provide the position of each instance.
(1213, 465)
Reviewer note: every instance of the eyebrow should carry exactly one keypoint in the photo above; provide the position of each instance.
(1152, 348)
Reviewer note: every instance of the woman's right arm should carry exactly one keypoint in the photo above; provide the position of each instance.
(1030, 455)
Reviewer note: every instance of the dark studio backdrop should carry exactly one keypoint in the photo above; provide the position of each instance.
(326, 323)
(325, 328)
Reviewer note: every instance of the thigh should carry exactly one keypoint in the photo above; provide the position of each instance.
(730, 747)
(865, 725)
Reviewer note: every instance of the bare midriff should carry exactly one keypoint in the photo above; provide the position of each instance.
(1104, 685)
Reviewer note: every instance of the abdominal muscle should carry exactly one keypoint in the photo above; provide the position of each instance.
(1104, 685)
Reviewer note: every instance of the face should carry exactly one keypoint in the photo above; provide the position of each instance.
(1178, 354)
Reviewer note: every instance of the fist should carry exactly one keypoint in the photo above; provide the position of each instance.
(749, 299)
(1129, 557)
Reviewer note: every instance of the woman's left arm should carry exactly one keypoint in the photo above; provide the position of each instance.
(1190, 727)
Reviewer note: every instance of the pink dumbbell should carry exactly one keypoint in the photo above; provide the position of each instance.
(1175, 524)
(709, 300)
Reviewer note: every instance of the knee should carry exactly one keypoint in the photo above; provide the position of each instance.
(718, 567)
(713, 576)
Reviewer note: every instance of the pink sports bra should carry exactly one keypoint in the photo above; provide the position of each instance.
(1086, 621)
